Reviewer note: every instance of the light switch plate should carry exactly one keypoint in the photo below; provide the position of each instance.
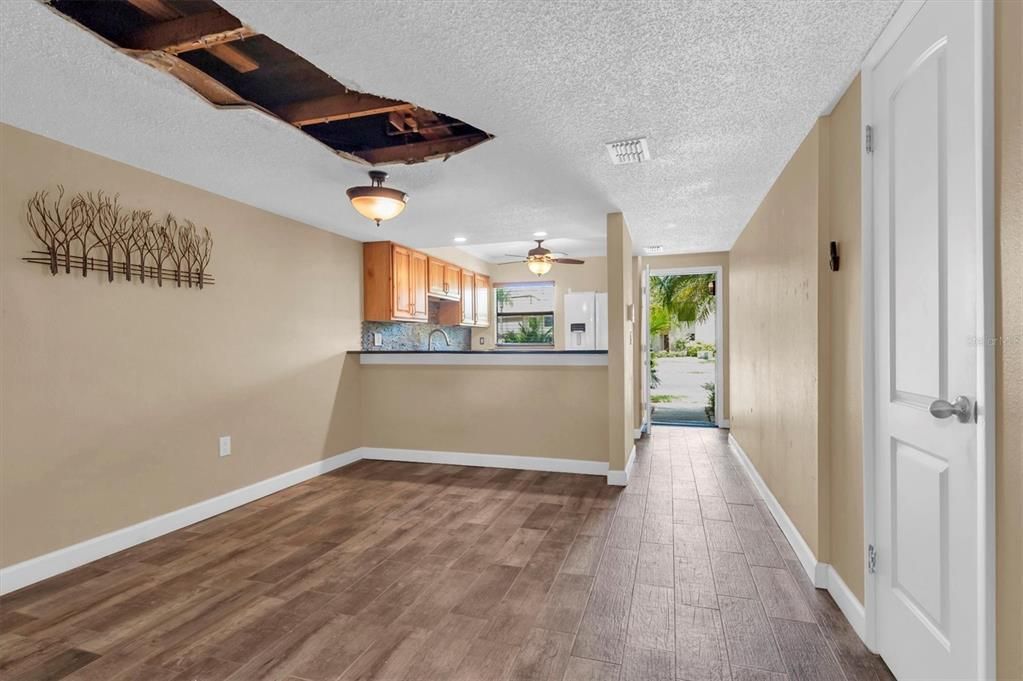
(225, 445)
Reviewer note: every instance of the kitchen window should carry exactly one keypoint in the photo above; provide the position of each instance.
(525, 313)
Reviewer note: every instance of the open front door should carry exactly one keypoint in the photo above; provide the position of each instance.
(644, 339)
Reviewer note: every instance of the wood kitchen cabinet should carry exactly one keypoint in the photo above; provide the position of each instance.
(445, 280)
(468, 306)
(394, 283)
(474, 307)
(398, 282)
(482, 312)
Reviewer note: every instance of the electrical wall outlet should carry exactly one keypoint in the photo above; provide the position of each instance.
(378, 339)
(225, 445)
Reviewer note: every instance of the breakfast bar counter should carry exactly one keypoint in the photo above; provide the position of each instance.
(487, 358)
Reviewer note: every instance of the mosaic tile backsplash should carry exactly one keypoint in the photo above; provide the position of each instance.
(400, 336)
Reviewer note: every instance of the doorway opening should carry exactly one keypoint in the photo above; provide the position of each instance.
(684, 327)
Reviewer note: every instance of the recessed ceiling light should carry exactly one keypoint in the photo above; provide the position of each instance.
(460, 239)
(539, 234)
(652, 249)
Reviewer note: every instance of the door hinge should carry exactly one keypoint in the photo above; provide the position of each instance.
(871, 559)
(868, 138)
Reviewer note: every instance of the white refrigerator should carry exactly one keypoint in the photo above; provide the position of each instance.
(585, 321)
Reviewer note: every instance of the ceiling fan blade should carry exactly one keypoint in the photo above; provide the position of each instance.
(511, 262)
(515, 255)
(569, 261)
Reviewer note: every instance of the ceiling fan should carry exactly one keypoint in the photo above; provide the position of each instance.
(540, 260)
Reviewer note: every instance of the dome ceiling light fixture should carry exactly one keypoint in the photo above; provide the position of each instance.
(376, 201)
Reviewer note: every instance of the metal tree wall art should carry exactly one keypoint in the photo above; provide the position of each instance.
(126, 242)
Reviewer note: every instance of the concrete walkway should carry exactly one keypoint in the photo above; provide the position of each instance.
(682, 378)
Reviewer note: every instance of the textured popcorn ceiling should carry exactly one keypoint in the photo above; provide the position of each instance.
(724, 91)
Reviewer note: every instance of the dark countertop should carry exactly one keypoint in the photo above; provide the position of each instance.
(478, 352)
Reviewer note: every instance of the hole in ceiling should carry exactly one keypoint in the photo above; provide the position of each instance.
(231, 65)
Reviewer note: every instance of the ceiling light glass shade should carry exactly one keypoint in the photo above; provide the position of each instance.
(377, 202)
(539, 266)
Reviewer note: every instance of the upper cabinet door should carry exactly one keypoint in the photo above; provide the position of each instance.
(445, 280)
(482, 300)
(468, 297)
(402, 303)
(435, 278)
(452, 282)
(420, 303)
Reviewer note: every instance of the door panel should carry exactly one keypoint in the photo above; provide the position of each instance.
(420, 301)
(435, 277)
(482, 311)
(401, 288)
(452, 282)
(918, 262)
(919, 554)
(925, 208)
(468, 297)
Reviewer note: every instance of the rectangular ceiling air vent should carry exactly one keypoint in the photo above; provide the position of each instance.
(628, 151)
(650, 250)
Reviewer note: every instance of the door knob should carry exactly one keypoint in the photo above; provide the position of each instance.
(960, 408)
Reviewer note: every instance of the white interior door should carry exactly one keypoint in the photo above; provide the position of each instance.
(927, 234)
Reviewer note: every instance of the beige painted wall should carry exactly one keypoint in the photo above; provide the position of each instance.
(590, 276)
(1009, 330)
(713, 259)
(842, 318)
(790, 207)
(549, 411)
(620, 333)
(774, 356)
(114, 394)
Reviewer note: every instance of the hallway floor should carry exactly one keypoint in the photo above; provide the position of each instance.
(414, 572)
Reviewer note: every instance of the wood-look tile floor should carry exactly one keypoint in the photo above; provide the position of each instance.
(412, 572)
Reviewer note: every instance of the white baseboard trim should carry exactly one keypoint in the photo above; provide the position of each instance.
(28, 572)
(42, 567)
(799, 545)
(847, 603)
(621, 478)
(823, 575)
(525, 463)
(724, 423)
(637, 433)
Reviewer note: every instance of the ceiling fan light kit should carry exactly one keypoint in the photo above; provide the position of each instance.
(539, 265)
(540, 260)
(376, 201)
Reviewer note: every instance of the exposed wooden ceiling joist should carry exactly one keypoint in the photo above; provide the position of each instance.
(207, 86)
(339, 107)
(422, 151)
(158, 9)
(382, 130)
(230, 55)
(233, 57)
(194, 32)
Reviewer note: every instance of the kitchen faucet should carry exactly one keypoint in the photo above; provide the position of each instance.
(429, 340)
